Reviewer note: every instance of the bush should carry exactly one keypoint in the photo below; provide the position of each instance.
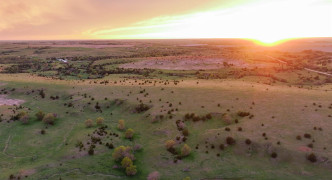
(88, 123)
(121, 152)
(185, 132)
(187, 178)
(100, 121)
(274, 155)
(40, 115)
(306, 135)
(154, 176)
(169, 144)
(129, 133)
(248, 141)
(49, 118)
(243, 114)
(185, 151)
(24, 117)
(131, 170)
(230, 141)
(312, 157)
(121, 124)
(126, 162)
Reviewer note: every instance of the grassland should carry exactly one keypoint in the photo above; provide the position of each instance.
(278, 115)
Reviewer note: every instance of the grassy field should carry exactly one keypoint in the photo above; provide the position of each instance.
(245, 124)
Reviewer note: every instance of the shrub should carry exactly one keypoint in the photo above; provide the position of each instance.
(131, 170)
(169, 144)
(306, 135)
(248, 141)
(49, 118)
(121, 124)
(312, 157)
(121, 152)
(274, 155)
(243, 114)
(185, 132)
(221, 146)
(24, 117)
(154, 176)
(126, 162)
(298, 137)
(230, 141)
(185, 151)
(100, 121)
(88, 123)
(129, 133)
(42, 131)
(40, 115)
(91, 151)
(187, 178)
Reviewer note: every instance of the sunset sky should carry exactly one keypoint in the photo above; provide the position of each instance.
(264, 20)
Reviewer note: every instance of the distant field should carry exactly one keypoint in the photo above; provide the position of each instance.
(243, 115)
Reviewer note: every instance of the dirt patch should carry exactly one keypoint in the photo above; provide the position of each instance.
(190, 63)
(4, 100)
(27, 172)
(180, 64)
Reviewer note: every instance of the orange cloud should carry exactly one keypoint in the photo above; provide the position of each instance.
(267, 20)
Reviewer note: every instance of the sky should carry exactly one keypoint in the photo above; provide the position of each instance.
(264, 20)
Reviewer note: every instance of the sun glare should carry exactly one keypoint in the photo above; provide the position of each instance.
(268, 23)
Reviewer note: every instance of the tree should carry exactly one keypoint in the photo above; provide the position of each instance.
(126, 162)
(49, 118)
(40, 115)
(169, 144)
(154, 176)
(129, 133)
(88, 123)
(100, 121)
(185, 151)
(121, 124)
(131, 170)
